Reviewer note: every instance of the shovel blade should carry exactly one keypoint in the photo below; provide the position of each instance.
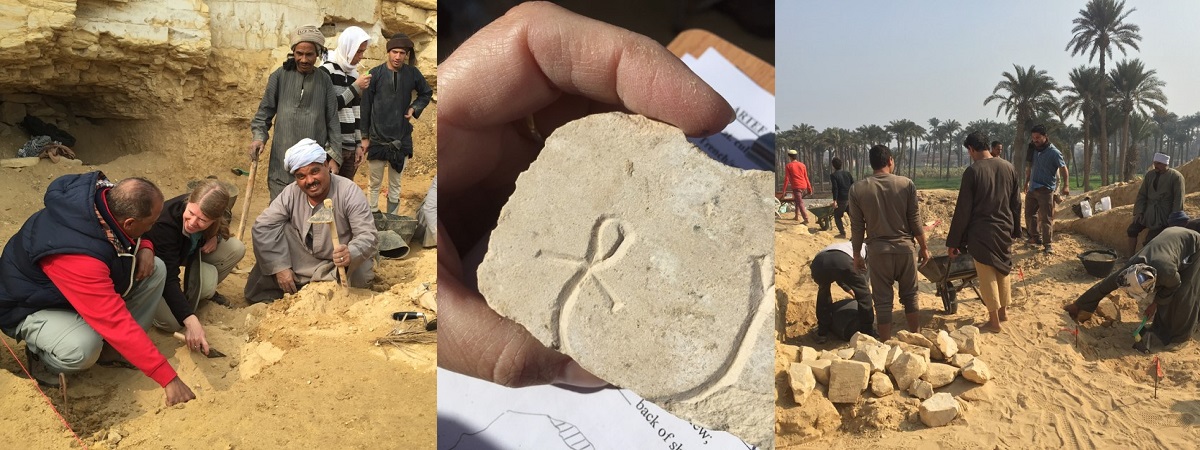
(213, 353)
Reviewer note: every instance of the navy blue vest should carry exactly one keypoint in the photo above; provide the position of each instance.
(67, 225)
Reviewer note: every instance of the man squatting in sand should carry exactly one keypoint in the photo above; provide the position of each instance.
(986, 221)
(884, 217)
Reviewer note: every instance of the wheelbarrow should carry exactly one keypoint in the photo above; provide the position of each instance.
(944, 272)
(824, 215)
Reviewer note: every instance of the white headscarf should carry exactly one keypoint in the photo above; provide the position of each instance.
(305, 152)
(348, 44)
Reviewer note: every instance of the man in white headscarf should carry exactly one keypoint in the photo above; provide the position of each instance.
(348, 86)
(290, 251)
(300, 100)
(1160, 196)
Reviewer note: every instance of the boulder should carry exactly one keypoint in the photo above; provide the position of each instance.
(977, 371)
(960, 360)
(872, 353)
(940, 374)
(844, 353)
(828, 355)
(967, 340)
(791, 353)
(939, 410)
(860, 337)
(847, 380)
(920, 389)
(907, 367)
(894, 352)
(944, 345)
(802, 382)
(914, 339)
(808, 353)
(881, 384)
(820, 369)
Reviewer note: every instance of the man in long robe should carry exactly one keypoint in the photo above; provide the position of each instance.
(290, 251)
(1160, 196)
(1175, 300)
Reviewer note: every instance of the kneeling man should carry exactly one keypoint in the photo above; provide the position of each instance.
(290, 251)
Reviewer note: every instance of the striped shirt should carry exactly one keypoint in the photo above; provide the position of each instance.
(348, 99)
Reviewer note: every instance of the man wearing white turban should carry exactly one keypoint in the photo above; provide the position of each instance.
(1160, 196)
(290, 251)
(348, 86)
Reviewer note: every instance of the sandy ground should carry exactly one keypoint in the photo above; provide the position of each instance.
(1048, 391)
(302, 372)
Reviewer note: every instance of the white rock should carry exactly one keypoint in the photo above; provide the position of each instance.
(791, 353)
(977, 372)
(859, 337)
(908, 367)
(920, 389)
(800, 378)
(845, 353)
(872, 353)
(808, 353)
(894, 352)
(939, 410)
(847, 380)
(967, 340)
(913, 338)
(628, 262)
(820, 369)
(945, 345)
(961, 360)
(828, 355)
(940, 374)
(881, 384)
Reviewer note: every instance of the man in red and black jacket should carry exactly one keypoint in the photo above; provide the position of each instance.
(76, 276)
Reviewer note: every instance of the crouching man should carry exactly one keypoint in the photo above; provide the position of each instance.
(290, 251)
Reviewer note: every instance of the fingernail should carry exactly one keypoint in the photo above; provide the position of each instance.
(574, 375)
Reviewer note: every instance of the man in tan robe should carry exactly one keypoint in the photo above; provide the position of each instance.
(1160, 196)
(290, 251)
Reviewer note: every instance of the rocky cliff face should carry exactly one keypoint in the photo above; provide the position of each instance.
(135, 59)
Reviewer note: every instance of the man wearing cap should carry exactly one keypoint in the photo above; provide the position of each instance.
(1045, 161)
(1160, 196)
(387, 106)
(302, 103)
(290, 251)
(1163, 277)
(80, 286)
(796, 176)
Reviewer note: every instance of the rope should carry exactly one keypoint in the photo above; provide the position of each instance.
(44, 396)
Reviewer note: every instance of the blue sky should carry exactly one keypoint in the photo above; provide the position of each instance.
(858, 62)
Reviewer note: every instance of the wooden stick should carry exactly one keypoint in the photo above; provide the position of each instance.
(246, 201)
(334, 235)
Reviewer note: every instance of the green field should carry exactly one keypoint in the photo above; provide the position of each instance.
(952, 183)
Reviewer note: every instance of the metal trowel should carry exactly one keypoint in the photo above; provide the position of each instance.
(212, 352)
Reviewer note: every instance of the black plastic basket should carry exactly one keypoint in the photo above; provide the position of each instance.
(1098, 268)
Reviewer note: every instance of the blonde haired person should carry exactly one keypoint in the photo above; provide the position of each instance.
(193, 232)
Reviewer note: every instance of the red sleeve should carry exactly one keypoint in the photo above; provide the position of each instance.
(145, 243)
(85, 282)
(787, 176)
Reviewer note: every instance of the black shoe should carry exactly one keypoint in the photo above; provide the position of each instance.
(1049, 250)
(219, 299)
(820, 338)
(39, 371)
(1149, 343)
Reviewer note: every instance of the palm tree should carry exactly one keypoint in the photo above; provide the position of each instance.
(952, 128)
(1100, 27)
(1134, 88)
(1027, 93)
(1084, 96)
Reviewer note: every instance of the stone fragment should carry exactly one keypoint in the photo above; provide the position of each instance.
(651, 241)
(844, 353)
(828, 355)
(17, 163)
(860, 337)
(873, 353)
(808, 353)
(920, 389)
(894, 351)
(791, 353)
(977, 372)
(907, 367)
(981, 393)
(939, 410)
(847, 380)
(800, 378)
(820, 369)
(966, 340)
(817, 417)
(945, 346)
(881, 384)
(911, 348)
(913, 338)
(940, 374)
(961, 360)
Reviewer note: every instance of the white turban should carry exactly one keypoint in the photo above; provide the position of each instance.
(1162, 158)
(348, 43)
(305, 152)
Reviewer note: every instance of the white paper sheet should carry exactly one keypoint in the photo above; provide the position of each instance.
(755, 108)
(477, 415)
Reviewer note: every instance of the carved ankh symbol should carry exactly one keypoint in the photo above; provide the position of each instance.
(606, 230)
